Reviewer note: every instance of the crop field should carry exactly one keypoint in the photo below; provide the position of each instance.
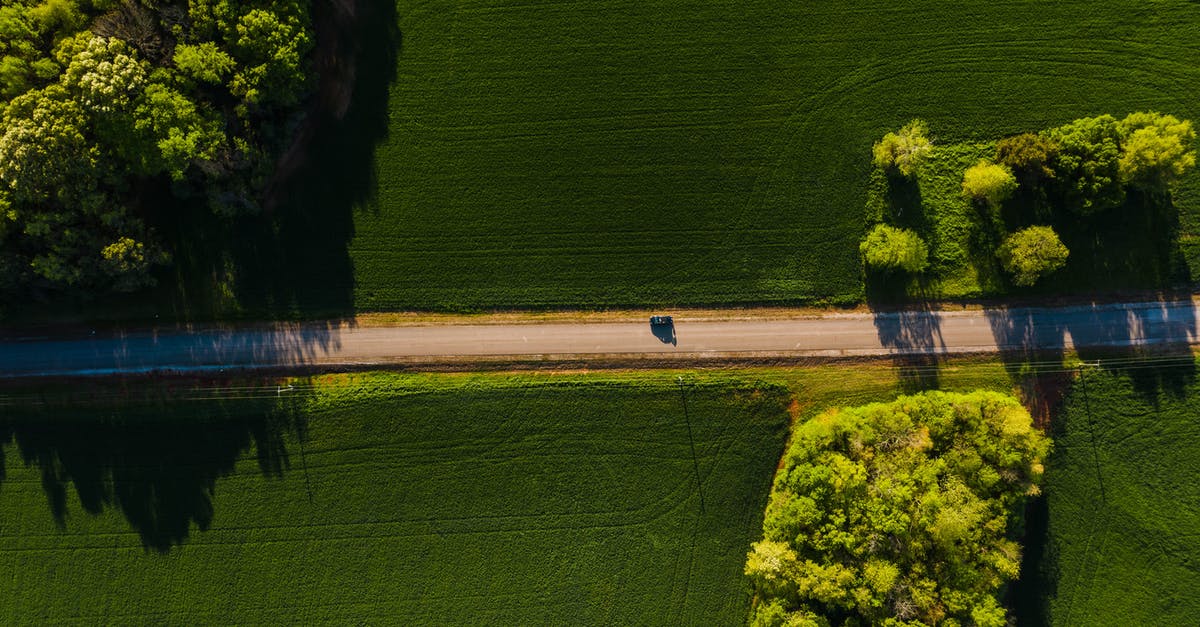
(409, 499)
(1119, 523)
(654, 152)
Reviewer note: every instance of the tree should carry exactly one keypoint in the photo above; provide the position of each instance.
(1087, 164)
(1156, 148)
(204, 62)
(888, 248)
(988, 183)
(1032, 253)
(903, 151)
(1028, 155)
(898, 513)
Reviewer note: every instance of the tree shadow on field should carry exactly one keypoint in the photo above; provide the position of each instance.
(1132, 246)
(156, 461)
(911, 333)
(1029, 596)
(292, 259)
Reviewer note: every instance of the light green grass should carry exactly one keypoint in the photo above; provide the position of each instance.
(1119, 526)
(654, 152)
(414, 500)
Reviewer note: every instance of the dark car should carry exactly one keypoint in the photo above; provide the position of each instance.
(661, 321)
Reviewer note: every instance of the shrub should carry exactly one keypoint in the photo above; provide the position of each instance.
(898, 512)
(988, 183)
(1156, 148)
(889, 248)
(1032, 253)
(903, 151)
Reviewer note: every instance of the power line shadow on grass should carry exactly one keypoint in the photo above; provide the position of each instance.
(155, 461)
(292, 259)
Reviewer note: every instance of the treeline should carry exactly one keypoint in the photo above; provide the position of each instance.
(101, 100)
(1082, 168)
(898, 514)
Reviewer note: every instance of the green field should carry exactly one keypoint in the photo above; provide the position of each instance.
(657, 152)
(413, 500)
(1116, 537)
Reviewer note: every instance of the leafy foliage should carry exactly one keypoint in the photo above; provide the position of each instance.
(989, 183)
(903, 151)
(103, 100)
(898, 513)
(1087, 164)
(1157, 148)
(1032, 253)
(1028, 156)
(888, 248)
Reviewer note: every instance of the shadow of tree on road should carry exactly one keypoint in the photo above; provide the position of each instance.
(912, 334)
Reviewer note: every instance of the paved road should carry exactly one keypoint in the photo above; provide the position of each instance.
(907, 332)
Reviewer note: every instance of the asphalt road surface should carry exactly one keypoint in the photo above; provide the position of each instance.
(317, 345)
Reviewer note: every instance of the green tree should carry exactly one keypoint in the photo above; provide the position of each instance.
(98, 97)
(988, 183)
(903, 151)
(898, 513)
(1028, 155)
(888, 248)
(1156, 148)
(1030, 254)
(204, 62)
(1087, 163)
(271, 48)
(44, 151)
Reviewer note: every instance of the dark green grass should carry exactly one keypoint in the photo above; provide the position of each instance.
(657, 152)
(1115, 539)
(434, 500)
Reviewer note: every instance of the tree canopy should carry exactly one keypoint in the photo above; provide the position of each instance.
(887, 248)
(1157, 148)
(898, 514)
(1028, 156)
(101, 99)
(904, 151)
(988, 183)
(1086, 164)
(1030, 254)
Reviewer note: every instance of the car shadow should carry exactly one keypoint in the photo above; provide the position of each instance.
(665, 333)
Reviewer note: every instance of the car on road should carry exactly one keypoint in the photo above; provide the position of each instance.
(661, 321)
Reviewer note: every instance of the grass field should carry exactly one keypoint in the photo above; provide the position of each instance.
(656, 152)
(414, 500)
(1121, 516)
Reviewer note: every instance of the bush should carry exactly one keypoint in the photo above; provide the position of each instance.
(988, 183)
(888, 248)
(1032, 253)
(902, 152)
(899, 512)
(1028, 155)
(1156, 148)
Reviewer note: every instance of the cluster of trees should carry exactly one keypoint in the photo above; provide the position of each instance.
(1083, 168)
(898, 514)
(102, 99)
